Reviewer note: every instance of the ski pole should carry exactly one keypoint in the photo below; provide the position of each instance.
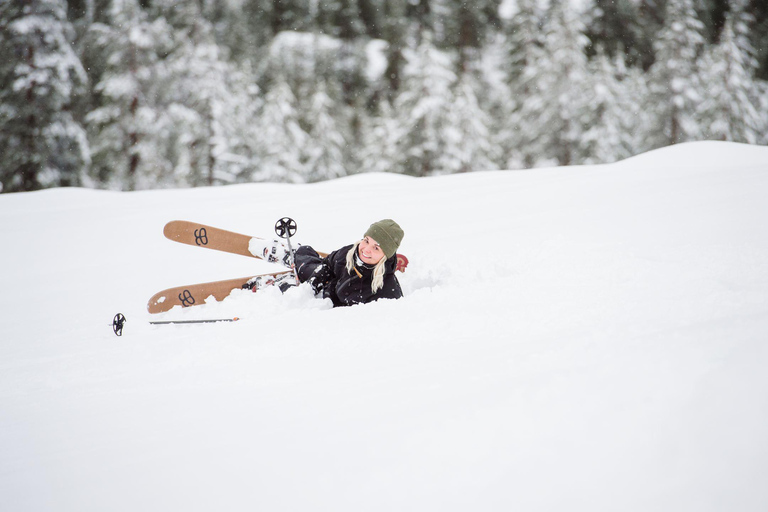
(207, 321)
(119, 320)
(286, 228)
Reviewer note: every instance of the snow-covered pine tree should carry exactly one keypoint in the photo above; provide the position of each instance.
(124, 127)
(41, 79)
(290, 15)
(730, 109)
(524, 39)
(524, 43)
(327, 141)
(675, 88)
(611, 109)
(394, 31)
(421, 19)
(325, 76)
(244, 28)
(759, 37)
(381, 135)
(650, 20)
(372, 14)
(422, 106)
(564, 115)
(343, 21)
(468, 26)
(217, 135)
(615, 26)
(281, 140)
(339, 18)
(467, 140)
(762, 103)
(302, 60)
(210, 112)
(550, 116)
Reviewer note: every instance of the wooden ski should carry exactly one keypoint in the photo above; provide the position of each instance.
(209, 237)
(195, 294)
(201, 235)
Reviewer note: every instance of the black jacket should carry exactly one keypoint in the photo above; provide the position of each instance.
(329, 276)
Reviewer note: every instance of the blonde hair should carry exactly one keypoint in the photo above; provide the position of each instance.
(378, 270)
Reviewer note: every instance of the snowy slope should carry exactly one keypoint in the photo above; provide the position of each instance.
(582, 338)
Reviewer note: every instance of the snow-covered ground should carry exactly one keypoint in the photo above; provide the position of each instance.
(583, 338)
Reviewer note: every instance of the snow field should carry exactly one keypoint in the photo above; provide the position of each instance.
(583, 338)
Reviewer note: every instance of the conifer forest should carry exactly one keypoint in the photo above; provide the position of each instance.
(141, 94)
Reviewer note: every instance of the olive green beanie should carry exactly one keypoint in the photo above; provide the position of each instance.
(387, 234)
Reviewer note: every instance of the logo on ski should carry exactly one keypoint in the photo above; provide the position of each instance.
(201, 236)
(186, 298)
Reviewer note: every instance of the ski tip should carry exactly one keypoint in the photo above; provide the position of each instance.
(169, 229)
(158, 303)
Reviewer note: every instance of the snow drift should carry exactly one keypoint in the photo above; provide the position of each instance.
(581, 338)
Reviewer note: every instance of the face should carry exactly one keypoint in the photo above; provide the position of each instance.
(369, 251)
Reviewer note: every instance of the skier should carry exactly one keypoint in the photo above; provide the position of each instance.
(355, 274)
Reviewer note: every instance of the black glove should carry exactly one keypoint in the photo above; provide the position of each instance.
(320, 278)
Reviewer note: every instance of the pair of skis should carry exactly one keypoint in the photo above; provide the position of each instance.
(209, 237)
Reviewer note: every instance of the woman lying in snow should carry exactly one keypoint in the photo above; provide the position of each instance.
(355, 274)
